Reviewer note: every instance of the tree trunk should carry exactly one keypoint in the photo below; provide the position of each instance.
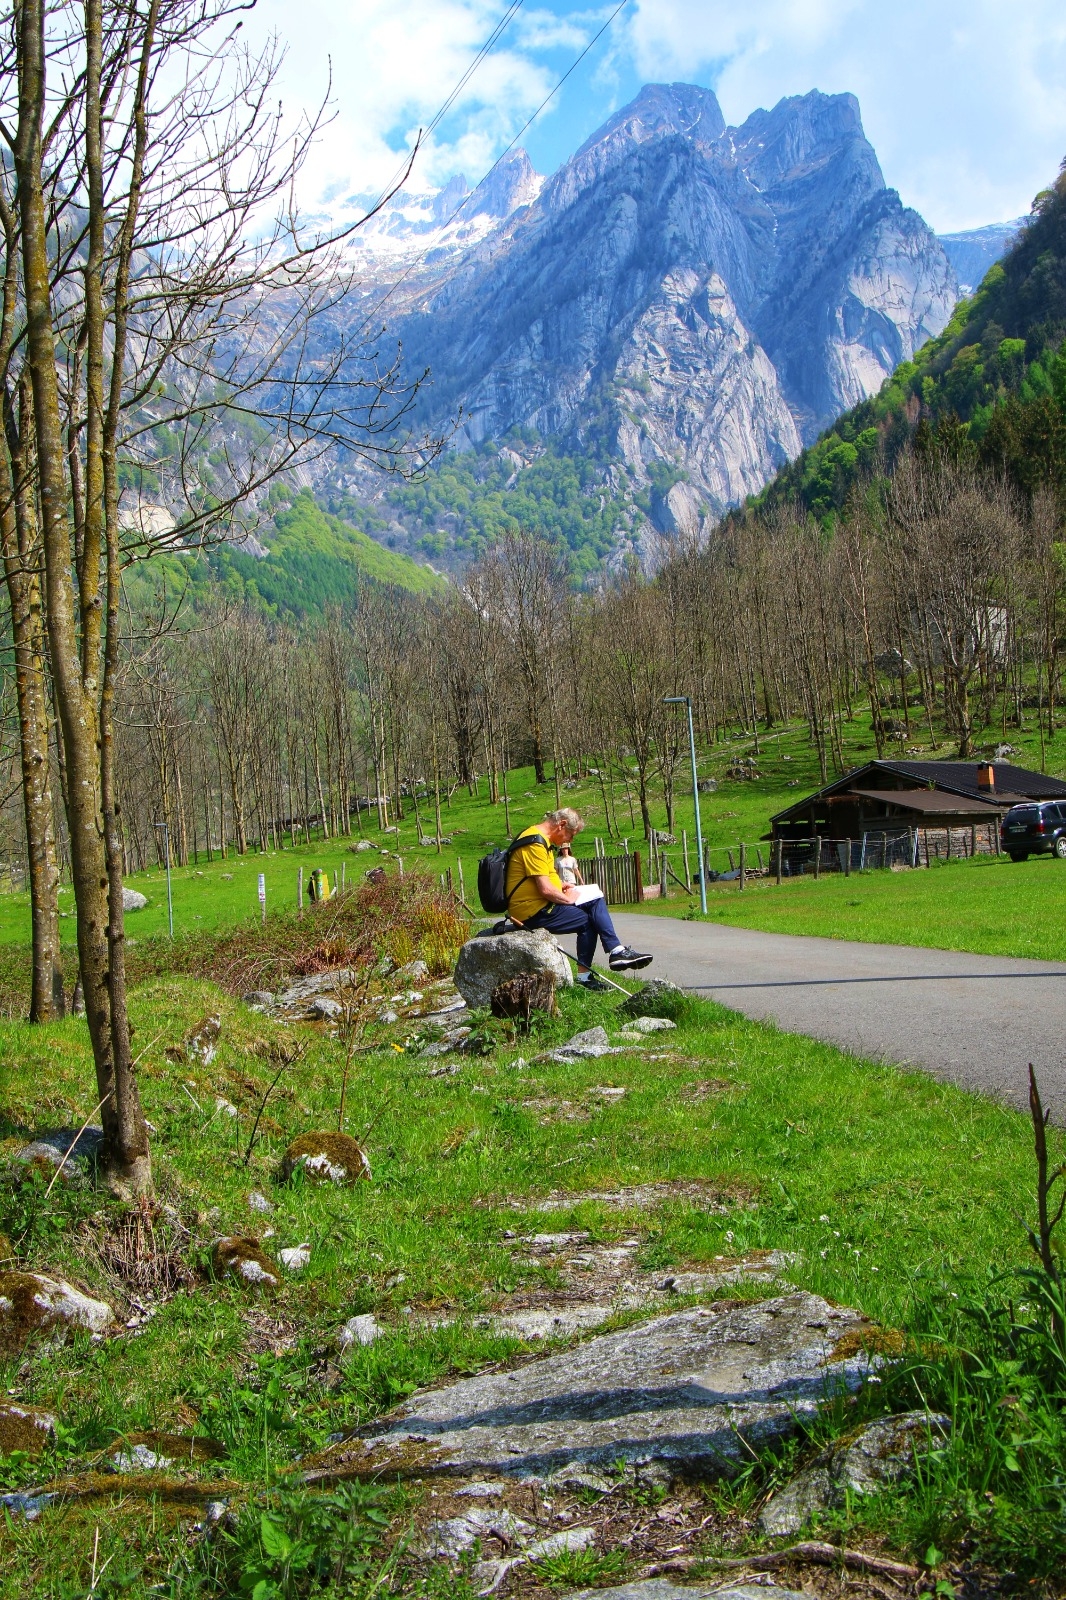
(21, 553)
(97, 891)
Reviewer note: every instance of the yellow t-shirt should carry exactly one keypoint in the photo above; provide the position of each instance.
(529, 861)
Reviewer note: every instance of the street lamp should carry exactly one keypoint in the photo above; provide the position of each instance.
(170, 897)
(684, 700)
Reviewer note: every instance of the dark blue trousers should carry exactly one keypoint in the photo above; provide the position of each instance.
(589, 922)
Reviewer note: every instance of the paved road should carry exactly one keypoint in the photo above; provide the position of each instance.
(968, 1019)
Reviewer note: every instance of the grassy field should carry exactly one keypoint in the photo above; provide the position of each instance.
(891, 1192)
(1007, 910)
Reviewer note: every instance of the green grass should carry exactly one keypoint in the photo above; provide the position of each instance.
(988, 904)
(893, 1193)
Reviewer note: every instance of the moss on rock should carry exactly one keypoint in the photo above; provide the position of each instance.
(32, 1303)
(24, 1428)
(326, 1158)
(241, 1256)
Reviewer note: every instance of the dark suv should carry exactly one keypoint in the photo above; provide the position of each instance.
(1034, 829)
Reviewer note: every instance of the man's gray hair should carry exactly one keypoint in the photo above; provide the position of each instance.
(566, 817)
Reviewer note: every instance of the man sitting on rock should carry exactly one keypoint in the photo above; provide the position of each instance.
(536, 898)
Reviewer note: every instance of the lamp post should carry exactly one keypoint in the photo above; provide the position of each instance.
(170, 897)
(684, 700)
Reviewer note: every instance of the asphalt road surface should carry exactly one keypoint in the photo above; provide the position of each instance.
(972, 1020)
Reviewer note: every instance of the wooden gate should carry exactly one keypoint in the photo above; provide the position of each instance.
(618, 876)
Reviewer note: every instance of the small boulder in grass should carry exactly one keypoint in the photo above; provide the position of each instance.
(326, 1158)
(159, 1452)
(240, 1256)
(657, 998)
(32, 1304)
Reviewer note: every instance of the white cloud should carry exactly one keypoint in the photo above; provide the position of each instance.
(393, 63)
(963, 100)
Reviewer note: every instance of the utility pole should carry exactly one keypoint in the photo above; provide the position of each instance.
(170, 897)
(684, 700)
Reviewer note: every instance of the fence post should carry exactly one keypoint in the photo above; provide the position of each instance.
(662, 874)
(817, 856)
(344, 874)
(639, 881)
(684, 847)
(847, 858)
(743, 869)
(778, 843)
(462, 885)
(973, 839)
(300, 891)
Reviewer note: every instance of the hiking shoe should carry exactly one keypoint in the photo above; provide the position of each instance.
(593, 983)
(627, 960)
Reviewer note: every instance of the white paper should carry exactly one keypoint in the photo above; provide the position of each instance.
(584, 892)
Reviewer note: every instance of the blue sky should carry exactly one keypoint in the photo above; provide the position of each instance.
(965, 103)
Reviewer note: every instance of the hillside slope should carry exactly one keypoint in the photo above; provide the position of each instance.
(998, 370)
(300, 562)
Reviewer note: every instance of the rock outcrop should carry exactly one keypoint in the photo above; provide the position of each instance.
(695, 1392)
(880, 1454)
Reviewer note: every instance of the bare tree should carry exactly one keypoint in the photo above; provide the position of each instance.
(172, 301)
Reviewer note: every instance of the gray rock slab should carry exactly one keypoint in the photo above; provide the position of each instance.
(881, 1453)
(54, 1145)
(132, 900)
(685, 1390)
(305, 989)
(483, 963)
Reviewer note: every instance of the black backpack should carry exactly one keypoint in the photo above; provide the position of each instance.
(492, 872)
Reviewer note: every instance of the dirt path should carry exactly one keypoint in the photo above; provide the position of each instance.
(968, 1019)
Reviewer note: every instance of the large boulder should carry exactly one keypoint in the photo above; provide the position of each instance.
(32, 1303)
(485, 963)
(696, 1392)
(880, 1454)
(132, 900)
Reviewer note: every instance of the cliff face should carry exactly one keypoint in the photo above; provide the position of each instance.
(712, 296)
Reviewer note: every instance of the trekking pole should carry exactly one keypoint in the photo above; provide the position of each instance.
(602, 976)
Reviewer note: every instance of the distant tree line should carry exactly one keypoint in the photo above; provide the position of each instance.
(935, 608)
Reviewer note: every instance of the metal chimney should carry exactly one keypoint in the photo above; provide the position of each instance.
(986, 775)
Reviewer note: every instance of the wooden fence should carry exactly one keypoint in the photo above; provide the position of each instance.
(618, 876)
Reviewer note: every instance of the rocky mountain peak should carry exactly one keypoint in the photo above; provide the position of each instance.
(660, 111)
(512, 183)
(802, 134)
(696, 300)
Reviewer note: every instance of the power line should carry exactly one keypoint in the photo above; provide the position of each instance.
(504, 153)
(396, 181)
